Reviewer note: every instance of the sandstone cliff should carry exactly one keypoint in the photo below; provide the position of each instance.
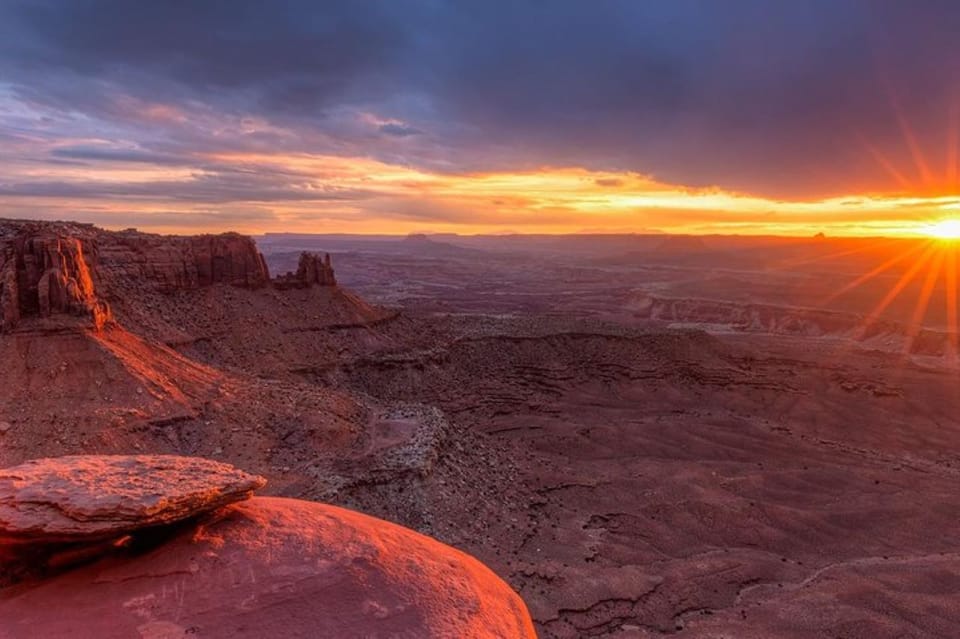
(65, 269)
(44, 273)
(171, 263)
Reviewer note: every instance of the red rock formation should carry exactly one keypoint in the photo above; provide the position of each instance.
(93, 497)
(44, 273)
(66, 269)
(273, 567)
(171, 263)
(9, 293)
(311, 271)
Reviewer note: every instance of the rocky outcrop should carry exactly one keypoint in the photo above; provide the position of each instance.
(86, 498)
(312, 270)
(171, 263)
(266, 567)
(45, 273)
(64, 269)
(9, 293)
(275, 567)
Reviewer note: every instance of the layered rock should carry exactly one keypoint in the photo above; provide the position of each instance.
(171, 263)
(66, 269)
(9, 293)
(44, 273)
(312, 270)
(87, 498)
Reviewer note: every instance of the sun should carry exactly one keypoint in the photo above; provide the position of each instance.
(948, 229)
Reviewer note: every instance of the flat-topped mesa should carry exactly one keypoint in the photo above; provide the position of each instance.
(229, 258)
(45, 273)
(69, 270)
(311, 271)
(172, 263)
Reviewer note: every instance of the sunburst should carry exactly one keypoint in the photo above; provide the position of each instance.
(947, 229)
(932, 263)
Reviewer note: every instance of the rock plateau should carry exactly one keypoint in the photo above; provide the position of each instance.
(67, 269)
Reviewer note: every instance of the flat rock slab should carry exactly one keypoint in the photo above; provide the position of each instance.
(93, 497)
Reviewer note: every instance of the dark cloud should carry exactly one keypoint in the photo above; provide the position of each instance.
(212, 188)
(192, 218)
(107, 154)
(399, 130)
(774, 98)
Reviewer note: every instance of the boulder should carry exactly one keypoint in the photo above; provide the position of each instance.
(273, 567)
(85, 498)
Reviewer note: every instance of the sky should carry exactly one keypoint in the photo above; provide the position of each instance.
(482, 116)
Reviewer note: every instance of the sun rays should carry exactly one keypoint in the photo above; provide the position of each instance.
(929, 266)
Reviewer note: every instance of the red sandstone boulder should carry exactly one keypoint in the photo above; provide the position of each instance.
(275, 568)
(87, 498)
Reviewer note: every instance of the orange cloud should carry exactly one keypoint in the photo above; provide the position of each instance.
(327, 193)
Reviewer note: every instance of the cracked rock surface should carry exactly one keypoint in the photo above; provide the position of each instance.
(84, 498)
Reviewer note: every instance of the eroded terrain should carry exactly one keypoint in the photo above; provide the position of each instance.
(736, 458)
(752, 482)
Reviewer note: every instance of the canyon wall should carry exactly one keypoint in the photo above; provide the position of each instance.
(43, 274)
(171, 263)
(69, 271)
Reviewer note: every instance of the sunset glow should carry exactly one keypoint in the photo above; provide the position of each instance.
(944, 229)
(249, 142)
(357, 194)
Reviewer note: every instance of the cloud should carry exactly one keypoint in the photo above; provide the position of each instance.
(399, 130)
(107, 154)
(223, 187)
(608, 182)
(778, 100)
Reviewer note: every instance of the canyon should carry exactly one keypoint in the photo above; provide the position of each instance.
(690, 438)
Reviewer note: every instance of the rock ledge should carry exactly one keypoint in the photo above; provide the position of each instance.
(86, 498)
